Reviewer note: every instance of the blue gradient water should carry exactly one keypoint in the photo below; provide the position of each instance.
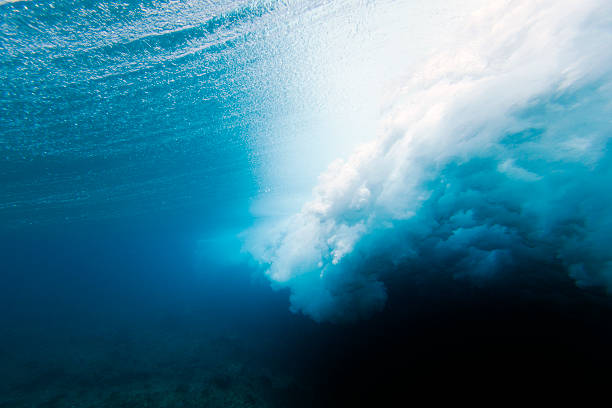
(161, 243)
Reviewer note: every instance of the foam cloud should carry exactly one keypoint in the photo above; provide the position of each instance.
(495, 153)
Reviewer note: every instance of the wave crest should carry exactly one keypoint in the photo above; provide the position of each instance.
(494, 155)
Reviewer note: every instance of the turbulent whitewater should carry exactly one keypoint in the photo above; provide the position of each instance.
(492, 158)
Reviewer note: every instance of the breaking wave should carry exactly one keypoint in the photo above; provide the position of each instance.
(492, 157)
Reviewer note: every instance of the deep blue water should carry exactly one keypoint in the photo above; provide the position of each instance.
(172, 233)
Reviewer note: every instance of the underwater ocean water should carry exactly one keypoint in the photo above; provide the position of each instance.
(302, 203)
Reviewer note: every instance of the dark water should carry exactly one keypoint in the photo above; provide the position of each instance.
(124, 314)
(141, 142)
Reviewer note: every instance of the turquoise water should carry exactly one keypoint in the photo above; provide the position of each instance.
(93, 82)
(300, 203)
